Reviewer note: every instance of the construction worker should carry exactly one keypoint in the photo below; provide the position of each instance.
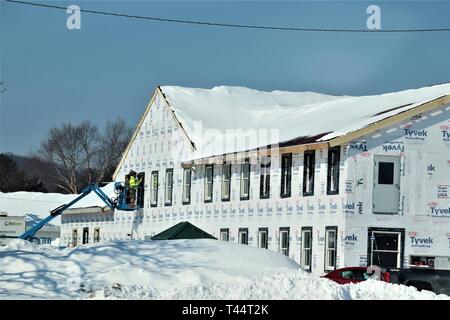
(134, 184)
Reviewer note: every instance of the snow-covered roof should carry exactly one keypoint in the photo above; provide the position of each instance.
(40, 204)
(317, 116)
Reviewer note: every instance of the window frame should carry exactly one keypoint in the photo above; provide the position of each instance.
(222, 231)
(326, 248)
(187, 200)
(85, 240)
(281, 231)
(309, 167)
(334, 150)
(264, 178)
(210, 198)
(96, 235)
(246, 164)
(266, 231)
(154, 188)
(310, 249)
(168, 202)
(243, 230)
(286, 174)
(223, 186)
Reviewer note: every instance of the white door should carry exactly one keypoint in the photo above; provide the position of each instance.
(386, 188)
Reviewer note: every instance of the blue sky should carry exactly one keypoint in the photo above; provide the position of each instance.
(111, 66)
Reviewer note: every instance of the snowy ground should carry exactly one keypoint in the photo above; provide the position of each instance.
(175, 269)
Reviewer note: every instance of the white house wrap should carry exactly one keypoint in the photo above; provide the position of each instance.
(346, 181)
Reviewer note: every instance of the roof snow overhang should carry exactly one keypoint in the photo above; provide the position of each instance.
(295, 145)
(305, 144)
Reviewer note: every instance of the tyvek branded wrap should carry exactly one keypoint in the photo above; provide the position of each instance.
(421, 143)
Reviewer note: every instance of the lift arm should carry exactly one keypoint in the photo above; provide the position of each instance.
(57, 211)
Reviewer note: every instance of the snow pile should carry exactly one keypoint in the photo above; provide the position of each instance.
(40, 204)
(294, 114)
(174, 269)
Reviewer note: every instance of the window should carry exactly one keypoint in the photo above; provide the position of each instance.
(85, 235)
(74, 237)
(245, 180)
(306, 246)
(308, 173)
(330, 248)
(243, 235)
(208, 183)
(226, 182)
(264, 182)
(386, 173)
(333, 170)
(386, 247)
(97, 235)
(154, 197)
(284, 241)
(140, 189)
(187, 186)
(168, 187)
(263, 238)
(225, 234)
(286, 171)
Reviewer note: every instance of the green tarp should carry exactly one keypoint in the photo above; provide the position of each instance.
(183, 230)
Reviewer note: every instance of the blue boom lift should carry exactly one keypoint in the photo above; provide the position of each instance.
(119, 203)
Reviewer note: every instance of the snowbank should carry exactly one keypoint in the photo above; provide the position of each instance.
(174, 269)
(38, 203)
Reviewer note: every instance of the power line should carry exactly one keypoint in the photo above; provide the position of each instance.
(227, 25)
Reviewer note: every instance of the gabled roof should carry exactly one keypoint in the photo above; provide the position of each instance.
(309, 116)
(301, 118)
(183, 230)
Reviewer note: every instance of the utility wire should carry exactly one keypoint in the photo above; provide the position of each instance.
(227, 25)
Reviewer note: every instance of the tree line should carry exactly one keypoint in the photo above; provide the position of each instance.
(69, 157)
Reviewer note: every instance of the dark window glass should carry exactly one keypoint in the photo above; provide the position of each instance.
(286, 171)
(385, 259)
(386, 173)
(386, 241)
(333, 170)
(264, 184)
(308, 173)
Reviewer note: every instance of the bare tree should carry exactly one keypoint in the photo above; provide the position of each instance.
(63, 149)
(111, 146)
(81, 155)
(89, 138)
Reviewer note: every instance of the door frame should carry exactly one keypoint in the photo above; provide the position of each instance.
(375, 178)
(401, 231)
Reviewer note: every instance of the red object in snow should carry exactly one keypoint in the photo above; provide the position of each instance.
(353, 275)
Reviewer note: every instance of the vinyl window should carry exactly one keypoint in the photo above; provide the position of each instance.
(187, 173)
(154, 189)
(333, 170)
(225, 234)
(263, 238)
(168, 187)
(330, 248)
(286, 172)
(306, 246)
(264, 184)
(226, 182)
(308, 173)
(97, 235)
(245, 180)
(208, 183)
(284, 241)
(243, 236)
